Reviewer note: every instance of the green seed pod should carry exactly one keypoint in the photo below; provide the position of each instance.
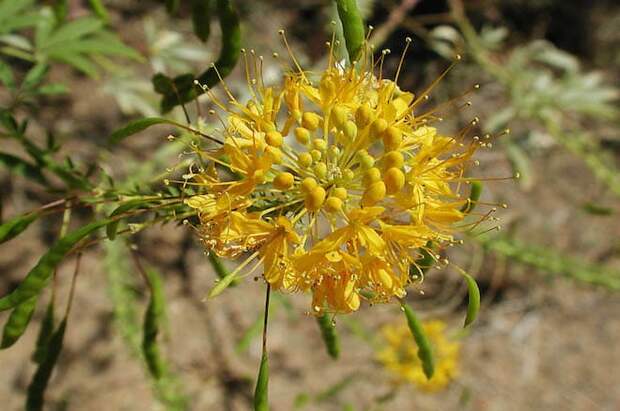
(201, 18)
(353, 27)
(425, 353)
(330, 338)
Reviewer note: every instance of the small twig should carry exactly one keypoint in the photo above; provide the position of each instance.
(393, 21)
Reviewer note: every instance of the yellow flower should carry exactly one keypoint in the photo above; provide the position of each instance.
(333, 182)
(399, 355)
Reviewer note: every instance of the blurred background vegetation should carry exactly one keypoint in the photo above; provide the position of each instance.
(73, 72)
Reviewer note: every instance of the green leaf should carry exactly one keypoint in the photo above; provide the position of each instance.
(261, 393)
(18, 322)
(328, 332)
(6, 76)
(425, 353)
(201, 18)
(137, 126)
(22, 167)
(15, 226)
(79, 62)
(597, 209)
(219, 268)
(473, 299)
(36, 389)
(61, 9)
(99, 9)
(39, 276)
(223, 284)
(152, 320)
(35, 75)
(552, 261)
(71, 31)
(112, 227)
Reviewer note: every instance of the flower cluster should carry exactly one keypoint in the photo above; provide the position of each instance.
(331, 183)
(399, 355)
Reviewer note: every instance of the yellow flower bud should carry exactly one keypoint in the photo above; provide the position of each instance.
(392, 138)
(333, 152)
(340, 192)
(348, 174)
(302, 135)
(366, 161)
(394, 180)
(371, 175)
(308, 184)
(373, 194)
(316, 154)
(393, 159)
(339, 116)
(310, 120)
(274, 139)
(319, 144)
(377, 128)
(333, 204)
(363, 115)
(304, 159)
(268, 126)
(283, 181)
(350, 130)
(274, 153)
(315, 198)
(320, 169)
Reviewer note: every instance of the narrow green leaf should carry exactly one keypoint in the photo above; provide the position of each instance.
(6, 76)
(79, 62)
(45, 334)
(18, 322)
(61, 9)
(222, 284)
(352, 27)
(201, 18)
(328, 332)
(39, 276)
(36, 389)
(425, 353)
(261, 393)
(552, 261)
(152, 320)
(219, 267)
(22, 167)
(112, 227)
(135, 127)
(35, 75)
(99, 9)
(474, 196)
(15, 226)
(473, 299)
(597, 209)
(71, 31)
(100, 44)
